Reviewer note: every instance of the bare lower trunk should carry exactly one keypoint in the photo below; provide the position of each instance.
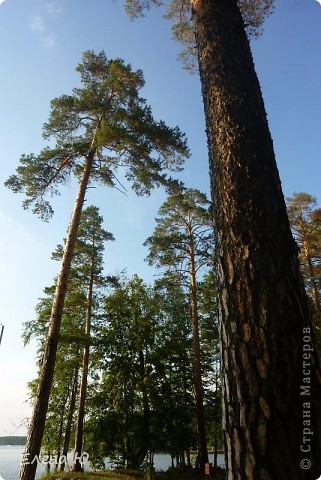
(36, 430)
(312, 276)
(59, 442)
(186, 419)
(145, 431)
(271, 372)
(215, 449)
(79, 438)
(202, 447)
(70, 418)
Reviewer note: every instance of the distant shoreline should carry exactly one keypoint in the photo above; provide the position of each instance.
(21, 441)
(13, 440)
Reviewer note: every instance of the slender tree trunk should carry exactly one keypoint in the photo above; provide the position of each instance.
(60, 434)
(37, 425)
(79, 437)
(170, 422)
(144, 440)
(272, 405)
(202, 446)
(314, 288)
(216, 420)
(186, 420)
(48, 464)
(70, 418)
(308, 258)
(215, 448)
(129, 440)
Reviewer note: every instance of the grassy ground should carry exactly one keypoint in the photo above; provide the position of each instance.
(108, 475)
(171, 474)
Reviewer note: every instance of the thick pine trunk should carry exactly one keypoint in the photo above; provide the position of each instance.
(202, 444)
(36, 430)
(271, 423)
(79, 436)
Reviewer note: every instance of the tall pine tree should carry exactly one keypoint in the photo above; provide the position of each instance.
(263, 305)
(183, 242)
(101, 127)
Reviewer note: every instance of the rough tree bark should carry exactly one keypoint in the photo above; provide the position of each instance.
(36, 430)
(265, 324)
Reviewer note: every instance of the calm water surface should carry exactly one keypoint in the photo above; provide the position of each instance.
(10, 458)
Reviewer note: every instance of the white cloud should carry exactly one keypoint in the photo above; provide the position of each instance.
(48, 40)
(1, 1)
(38, 26)
(52, 8)
(10, 229)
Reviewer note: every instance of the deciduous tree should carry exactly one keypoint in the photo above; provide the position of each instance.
(128, 337)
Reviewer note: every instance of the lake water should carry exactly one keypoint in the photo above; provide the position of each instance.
(10, 458)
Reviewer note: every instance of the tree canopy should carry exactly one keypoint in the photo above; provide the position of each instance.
(254, 13)
(109, 117)
(184, 226)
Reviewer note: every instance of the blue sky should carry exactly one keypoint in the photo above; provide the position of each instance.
(40, 45)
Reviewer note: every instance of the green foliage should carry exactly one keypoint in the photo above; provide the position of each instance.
(90, 245)
(183, 244)
(108, 120)
(183, 229)
(208, 310)
(136, 8)
(145, 399)
(305, 221)
(254, 13)
(141, 390)
(87, 265)
(127, 343)
(175, 392)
